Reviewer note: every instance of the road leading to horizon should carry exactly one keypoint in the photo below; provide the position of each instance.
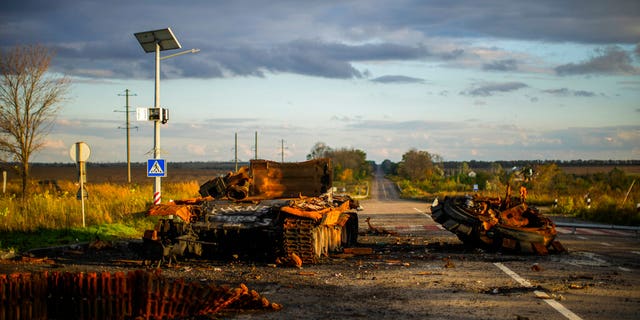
(388, 211)
(599, 269)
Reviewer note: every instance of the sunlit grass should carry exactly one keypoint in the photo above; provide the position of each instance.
(111, 210)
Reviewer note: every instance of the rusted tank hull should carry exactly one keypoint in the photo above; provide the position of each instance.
(263, 230)
(269, 210)
(481, 223)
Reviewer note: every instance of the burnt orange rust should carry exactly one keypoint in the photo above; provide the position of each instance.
(496, 223)
(185, 212)
(513, 216)
(315, 215)
(137, 294)
(523, 194)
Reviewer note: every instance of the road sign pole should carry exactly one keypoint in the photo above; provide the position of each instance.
(80, 153)
(82, 175)
(157, 186)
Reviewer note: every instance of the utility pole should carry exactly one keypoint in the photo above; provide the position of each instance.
(282, 150)
(127, 127)
(256, 157)
(236, 151)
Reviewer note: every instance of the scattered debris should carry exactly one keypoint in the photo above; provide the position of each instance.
(429, 273)
(358, 251)
(536, 267)
(378, 230)
(136, 294)
(297, 262)
(292, 260)
(448, 263)
(99, 244)
(33, 260)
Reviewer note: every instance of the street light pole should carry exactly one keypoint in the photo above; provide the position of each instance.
(156, 41)
(157, 186)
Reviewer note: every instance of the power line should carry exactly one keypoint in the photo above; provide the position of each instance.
(127, 127)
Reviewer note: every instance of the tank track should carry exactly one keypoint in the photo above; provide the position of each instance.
(311, 241)
(298, 239)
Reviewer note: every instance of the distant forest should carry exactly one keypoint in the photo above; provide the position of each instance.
(522, 163)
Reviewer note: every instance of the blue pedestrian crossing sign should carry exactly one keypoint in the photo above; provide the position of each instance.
(156, 168)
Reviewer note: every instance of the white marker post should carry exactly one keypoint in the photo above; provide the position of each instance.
(79, 153)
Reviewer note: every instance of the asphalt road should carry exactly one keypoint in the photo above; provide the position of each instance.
(596, 279)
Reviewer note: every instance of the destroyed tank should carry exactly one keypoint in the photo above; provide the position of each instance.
(507, 224)
(269, 210)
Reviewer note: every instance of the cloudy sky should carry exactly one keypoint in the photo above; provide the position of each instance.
(468, 80)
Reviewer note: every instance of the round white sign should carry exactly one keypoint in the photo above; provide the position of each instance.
(79, 152)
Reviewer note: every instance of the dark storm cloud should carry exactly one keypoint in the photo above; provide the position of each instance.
(565, 92)
(249, 38)
(397, 79)
(316, 58)
(585, 21)
(501, 65)
(485, 90)
(583, 93)
(611, 60)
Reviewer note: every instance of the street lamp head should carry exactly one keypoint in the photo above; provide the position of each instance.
(163, 37)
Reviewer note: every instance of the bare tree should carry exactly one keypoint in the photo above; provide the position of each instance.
(29, 101)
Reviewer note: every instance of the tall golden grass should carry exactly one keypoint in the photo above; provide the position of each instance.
(51, 208)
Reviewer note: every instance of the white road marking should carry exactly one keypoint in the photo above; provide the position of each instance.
(514, 275)
(620, 233)
(540, 294)
(582, 238)
(595, 257)
(624, 269)
(606, 244)
(594, 232)
(429, 217)
(636, 252)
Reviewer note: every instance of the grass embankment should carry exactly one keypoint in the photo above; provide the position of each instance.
(53, 216)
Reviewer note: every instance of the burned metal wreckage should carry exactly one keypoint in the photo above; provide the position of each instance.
(499, 224)
(288, 212)
(269, 210)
